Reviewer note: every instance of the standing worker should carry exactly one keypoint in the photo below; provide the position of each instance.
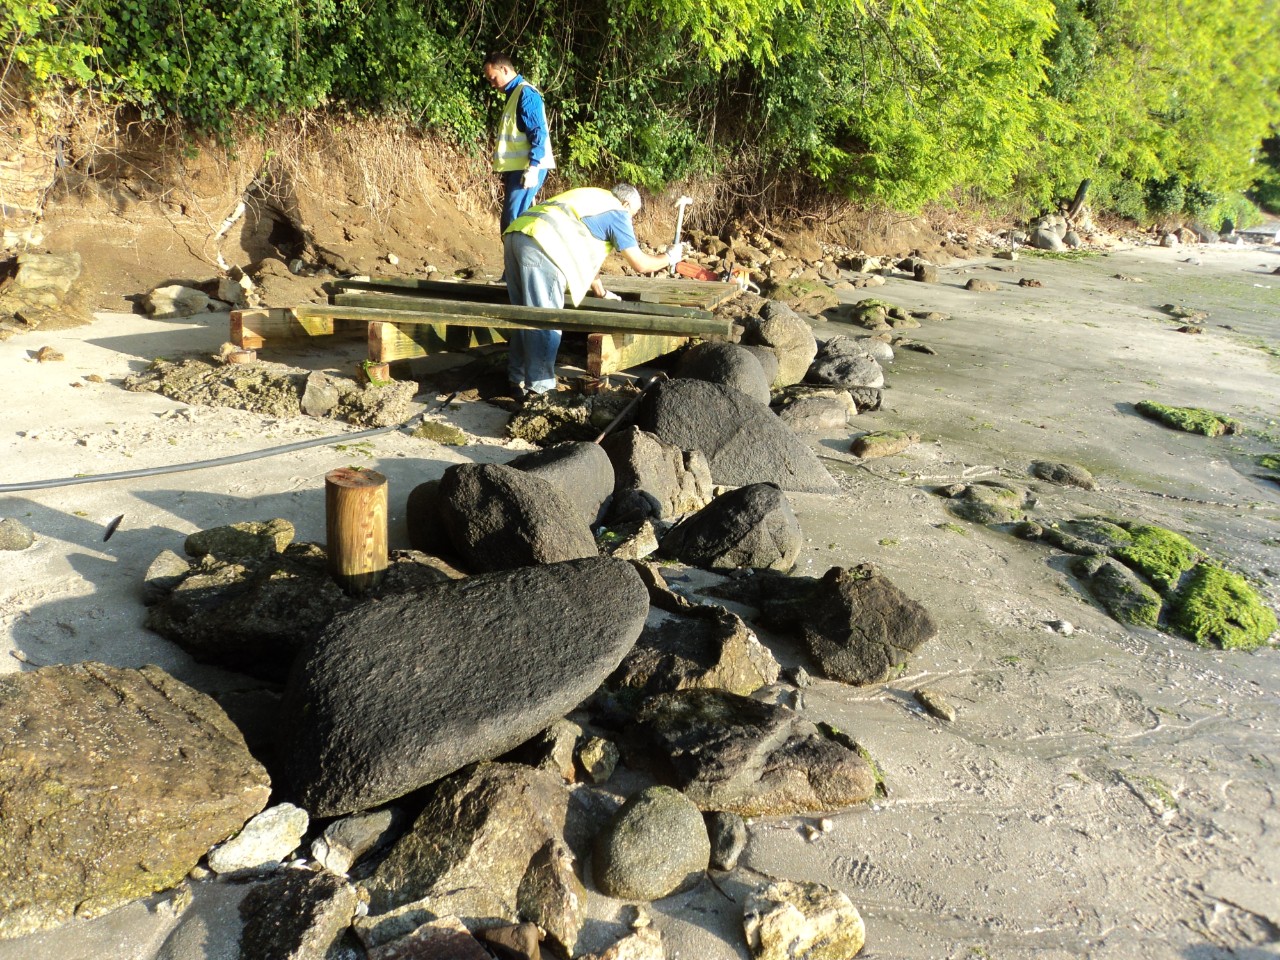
(522, 155)
(560, 245)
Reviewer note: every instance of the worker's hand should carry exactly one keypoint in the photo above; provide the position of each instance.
(675, 253)
(530, 178)
(610, 295)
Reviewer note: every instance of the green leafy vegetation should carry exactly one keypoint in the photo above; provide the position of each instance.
(900, 102)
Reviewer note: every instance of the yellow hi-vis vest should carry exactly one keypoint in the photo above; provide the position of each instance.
(556, 226)
(511, 152)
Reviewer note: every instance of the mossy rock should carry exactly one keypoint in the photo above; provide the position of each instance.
(445, 434)
(1160, 555)
(988, 502)
(883, 443)
(1124, 594)
(1190, 419)
(1218, 608)
(806, 297)
(1088, 537)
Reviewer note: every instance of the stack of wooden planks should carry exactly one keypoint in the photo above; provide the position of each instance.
(407, 318)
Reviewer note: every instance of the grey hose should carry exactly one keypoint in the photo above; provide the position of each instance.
(198, 465)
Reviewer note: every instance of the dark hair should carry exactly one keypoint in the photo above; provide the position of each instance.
(498, 59)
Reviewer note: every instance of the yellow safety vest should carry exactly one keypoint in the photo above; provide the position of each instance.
(556, 226)
(511, 152)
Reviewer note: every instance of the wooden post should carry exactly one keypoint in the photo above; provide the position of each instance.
(355, 514)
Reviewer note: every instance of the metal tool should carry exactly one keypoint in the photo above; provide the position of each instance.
(680, 205)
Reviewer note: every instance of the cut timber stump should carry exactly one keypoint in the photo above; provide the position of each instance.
(355, 514)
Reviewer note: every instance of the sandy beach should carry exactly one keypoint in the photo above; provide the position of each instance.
(1104, 791)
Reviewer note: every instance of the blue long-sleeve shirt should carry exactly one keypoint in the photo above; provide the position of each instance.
(531, 119)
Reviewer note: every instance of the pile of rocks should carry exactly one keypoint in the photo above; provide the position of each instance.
(521, 707)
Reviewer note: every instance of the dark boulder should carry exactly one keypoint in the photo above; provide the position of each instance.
(743, 441)
(580, 470)
(401, 692)
(725, 363)
(751, 527)
(499, 517)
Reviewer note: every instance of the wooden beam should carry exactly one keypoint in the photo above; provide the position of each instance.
(389, 342)
(506, 315)
(690, 293)
(488, 293)
(610, 352)
(250, 329)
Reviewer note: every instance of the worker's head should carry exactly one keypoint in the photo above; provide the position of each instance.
(498, 70)
(628, 196)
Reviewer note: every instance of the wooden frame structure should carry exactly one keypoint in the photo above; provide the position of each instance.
(406, 318)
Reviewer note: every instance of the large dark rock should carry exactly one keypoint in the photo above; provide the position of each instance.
(744, 442)
(580, 470)
(726, 363)
(396, 694)
(707, 647)
(857, 625)
(488, 846)
(499, 517)
(751, 527)
(113, 784)
(654, 479)
(732, 753)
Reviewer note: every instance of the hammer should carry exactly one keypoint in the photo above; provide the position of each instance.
(680, 205)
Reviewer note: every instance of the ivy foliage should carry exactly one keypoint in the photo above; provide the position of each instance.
(1161, 104)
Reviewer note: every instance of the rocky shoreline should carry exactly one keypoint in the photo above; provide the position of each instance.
(531, 717)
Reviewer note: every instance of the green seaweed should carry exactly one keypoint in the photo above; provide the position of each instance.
(1160, 555)
(1269, 461)
(1190, 419)
(1218, 608)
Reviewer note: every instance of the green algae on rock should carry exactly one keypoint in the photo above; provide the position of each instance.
(445, 434)
(1190, 419)
(1121, 591)
(883, 443)
(988, 502)
(1218, 608)
(1160, 555)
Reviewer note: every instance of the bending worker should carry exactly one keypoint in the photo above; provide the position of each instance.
(559, 246)
(522, 155)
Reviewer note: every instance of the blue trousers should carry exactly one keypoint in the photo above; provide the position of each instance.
(533, 280)
(515, 198)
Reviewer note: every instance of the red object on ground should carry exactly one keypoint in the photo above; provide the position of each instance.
(695, 271)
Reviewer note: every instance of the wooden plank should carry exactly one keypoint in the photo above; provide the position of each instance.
(250, 329)
(705, 294)
(389, 341)
(610, 352)
(488, 293)
(409, 286)
(503, 315)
